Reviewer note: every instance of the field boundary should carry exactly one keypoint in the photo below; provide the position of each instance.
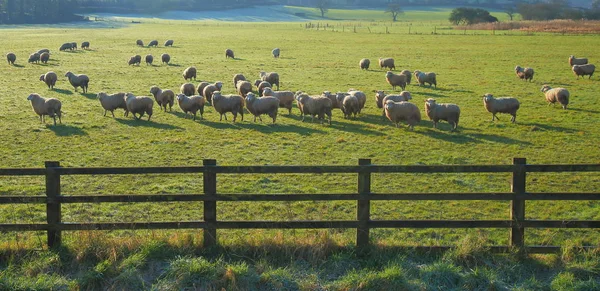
(516, 223)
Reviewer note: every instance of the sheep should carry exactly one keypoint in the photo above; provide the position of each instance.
(112, 102)
(428, 77)
(332, 97)
(200, 88)
(149, 59)
(78, 81)
(189, 73)
(66, 46)
(402, 111)
(261, 85)
(11, 58)
(442, 111)
(408, 75)
(264, 105)
(508, 105)
(34, 58)
(286, 98)
(44, 50)
(276, 52)
(381, 99)
(577, 61)
(163, 97)
(50, 79)
(582, 70)
(314, 105)
(348, 104)
(45, 106)
(44, 57)
(364, 64)
(553, 95)
(169, 42)
(166, 58)
(187, 89)
(236, 78)
(138, 105)
(85, 45)
(524, 73)
(395, 80)
(73, 46)
(153, 43)
(139, 42)
(137, 59)
(210, 89)
(228, 103)
(387, 63)
(229, 54)
(271, 77)
(361, 96)
(191, 104)
(243, 87)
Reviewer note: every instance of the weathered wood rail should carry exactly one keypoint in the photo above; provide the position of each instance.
(517, 223)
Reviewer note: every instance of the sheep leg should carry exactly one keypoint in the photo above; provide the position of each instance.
(105, 113)
(234, 116)
(149, 115)
(435, 124)
(514, 118)
(54, 118)
(112, 112)
(258, 119)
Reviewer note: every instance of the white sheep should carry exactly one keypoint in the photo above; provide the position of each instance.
(187, 89)
(138, 105)
(524, 73)
(361, 96)
(163, 97)
(236, 78)
(397, 112)
(112, 102)
(228, 103)
(189, 73)
(200, 88)
(271, 77)
(191, 104)
(428, 77)
(577, 61)
(45, 106)
(276, 52)
(381, 98)
(396, 80)
(261, 85)
(442, 111)
(348, 104)
(243, 87)
(210, 89)
(583, 70)
(332, 97)
(408, 75)
(286, 98)
(387, 63)
(78, 81)
(314, 105)
(553, 95)
(508, 105)
(50, 79)
(364, 64)
(264, 105)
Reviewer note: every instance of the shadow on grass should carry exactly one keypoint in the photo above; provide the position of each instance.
(430, 95)
(63, 91)
(353, 127)
(89, 95)
(267, 126)
(173, 65)
(583, 110)
(18, 66)
(66, 130)
(145, 123)
(541, 126)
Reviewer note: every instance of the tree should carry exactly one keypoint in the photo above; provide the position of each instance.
(395, 10)
(465, 15)
(510, 11)
(323, 6)
(596, 4)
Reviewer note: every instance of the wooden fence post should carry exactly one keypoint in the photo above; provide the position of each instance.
(363, 213)
(517, 206)
(210, 207)
(53, 209)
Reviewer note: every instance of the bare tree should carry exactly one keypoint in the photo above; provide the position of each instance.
(510, 11)
(395, 10)
(323, 6)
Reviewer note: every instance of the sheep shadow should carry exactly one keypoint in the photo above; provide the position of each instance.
(173, 65)
(145, 123)
(63, 91)
(540, 126)
(18, 66)
(432, 95)
(89, 95)
(189, 116)
(66, 130)
(444, 134)
(354, 128)
(268, 127)
(222, 124)
(497, 138)
(583, 110)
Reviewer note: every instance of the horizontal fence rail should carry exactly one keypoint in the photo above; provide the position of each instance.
(517, 197)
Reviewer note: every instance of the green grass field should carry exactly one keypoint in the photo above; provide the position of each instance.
(312, 61)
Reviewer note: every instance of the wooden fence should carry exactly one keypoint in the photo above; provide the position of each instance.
(363, 223)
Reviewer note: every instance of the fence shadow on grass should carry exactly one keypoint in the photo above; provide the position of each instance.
(145, 123)
(66, 130)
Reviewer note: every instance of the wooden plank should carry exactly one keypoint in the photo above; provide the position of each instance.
(23, 227)
(210, 207)
(130, 170)
(564, 168)
(53, 209)
(133, 225)
(441, 223)
(356, 169)
(517, 206)
(562, 223)
(23, 199)
(23, 172)
(363, 211)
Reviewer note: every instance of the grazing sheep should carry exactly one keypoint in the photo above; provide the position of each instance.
(243, 87)
(44, 50)
(583, 70)
(261, 85)
(387, 63)
(577, 61)
(264, 105)
(236, 78)
(169, 42)
(397, 112)
(332, 97)
(200, 88)
(191, 104)
(553, 95)
(271, 77)
(286, 98)
(408, 75)
(133, 60)
(442, 111)
(112, 102)
(524, 73)
(189, 73)
(428, 77)
(45, 106)
(228, 103)
(508, 105)
(139, 42)
(34, 58)
(229, 54)
(276, 52)
(73, 45)
(85, 45)
(66, 46)
(381, 98)
(166, 58)
(396, 80)
(50, 79)
(163, 97)
(348, 104)
(78, 81)
(314, 105)
(138, 105)
(187, 89)
(210, 89)
(364, 64)
(361, 96)
(44, 57)
(149, 59)
(153, 43)
(11, 58)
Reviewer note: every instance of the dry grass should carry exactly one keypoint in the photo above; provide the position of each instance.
(557, 26)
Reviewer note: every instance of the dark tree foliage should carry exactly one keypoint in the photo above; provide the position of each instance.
(37, 11)
(465, 15)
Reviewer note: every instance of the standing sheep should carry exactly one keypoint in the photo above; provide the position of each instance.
(135, 60)
(387, 63)
(166, 58)
(73, 46)
(443, 111)
(264, 105)
(189, 73)
(139, 105)
(228, 103)
(200, 88)
(314, 105)
(66, 46)
(286, 98)
(361, 96)
(139, 42)
(553, 95)
(524, 73)
(149, 59)
(11, 58)
(44, 57)
(408, 75)
(364, 64)
(396, 80)
(271, 77)
(229, 54)
(577, 61)
(191, 104)
(381, 98)
(44, 50)
(243, 87)
(187, 89)
(78, 81)
(423, 78)
(332, 97)
(275, 52)
(34, 58)
(508, 105)
(210, 89)
(85, 45)
(45, 106)
(50, 79)
(236, 78)
(583, 70)
(153, 43)
(169, 42)
(397, 112)
(112, 102)
(261, 85)
(163, 97)
(348, 104)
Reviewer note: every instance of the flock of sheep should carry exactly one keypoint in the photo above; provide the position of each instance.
(192, 98)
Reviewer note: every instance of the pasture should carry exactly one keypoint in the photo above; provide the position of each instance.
(312, 61)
